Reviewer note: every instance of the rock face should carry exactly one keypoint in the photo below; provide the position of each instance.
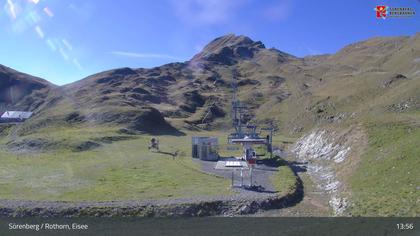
(394, 79)
(326, 153)
(227, 50)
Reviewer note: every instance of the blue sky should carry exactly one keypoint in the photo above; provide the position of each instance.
(67, 40)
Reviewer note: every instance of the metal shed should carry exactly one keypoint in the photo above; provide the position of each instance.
(205, 148)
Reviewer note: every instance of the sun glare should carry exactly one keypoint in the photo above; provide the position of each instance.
(28, 16)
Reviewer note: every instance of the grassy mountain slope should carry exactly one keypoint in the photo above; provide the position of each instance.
(373, 84)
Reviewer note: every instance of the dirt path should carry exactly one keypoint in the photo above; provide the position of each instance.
(314, 203)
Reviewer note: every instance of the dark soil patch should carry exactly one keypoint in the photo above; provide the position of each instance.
(74, 117)
(124, 90)
(140, 90)
(393, 80)
(145, 97)
(211, 113)
(151, 121)
(245, 82)
(32, 145)
(85, 146)
(276, 81)
(111, 139)
(244, 52)
(193, 100)
(216, 80)
(106, 80)
(224, 56)
(108, 91)
(274, 162)
(123, 72)
(128, 131)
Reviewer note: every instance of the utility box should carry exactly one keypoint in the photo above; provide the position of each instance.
(205, 148)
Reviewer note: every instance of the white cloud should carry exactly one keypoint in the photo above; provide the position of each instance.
(278, 11)
(144, 55)
(308, 51)
(199, 12)
(83, 10)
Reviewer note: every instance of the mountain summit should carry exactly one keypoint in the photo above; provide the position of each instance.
(228, 49)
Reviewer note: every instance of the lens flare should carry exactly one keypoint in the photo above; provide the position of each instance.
(33, 17)
(51, 45)
(63, 54)
(77, 64)
(27, 15)
(67, 44)
(39, 31)
(11, 9)
(48, 12)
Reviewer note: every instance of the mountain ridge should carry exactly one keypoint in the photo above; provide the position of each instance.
(196, 93)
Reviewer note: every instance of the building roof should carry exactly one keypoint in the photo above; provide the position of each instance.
(249, 140)
(16, 115)
(231, 165)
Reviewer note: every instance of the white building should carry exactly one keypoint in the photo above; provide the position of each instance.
(15, 116)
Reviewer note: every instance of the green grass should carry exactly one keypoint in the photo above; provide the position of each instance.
(123, 170)
(387, 181)
(117, 171)
(284, 180)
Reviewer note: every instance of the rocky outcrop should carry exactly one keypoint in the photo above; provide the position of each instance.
(326, 152)
(393, 80)
(228, 49)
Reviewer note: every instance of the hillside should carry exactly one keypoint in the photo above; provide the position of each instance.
(360, 106)
(21, 91)
(370, 77)
(193, 95)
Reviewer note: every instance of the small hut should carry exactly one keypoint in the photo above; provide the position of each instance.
(15, 116)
